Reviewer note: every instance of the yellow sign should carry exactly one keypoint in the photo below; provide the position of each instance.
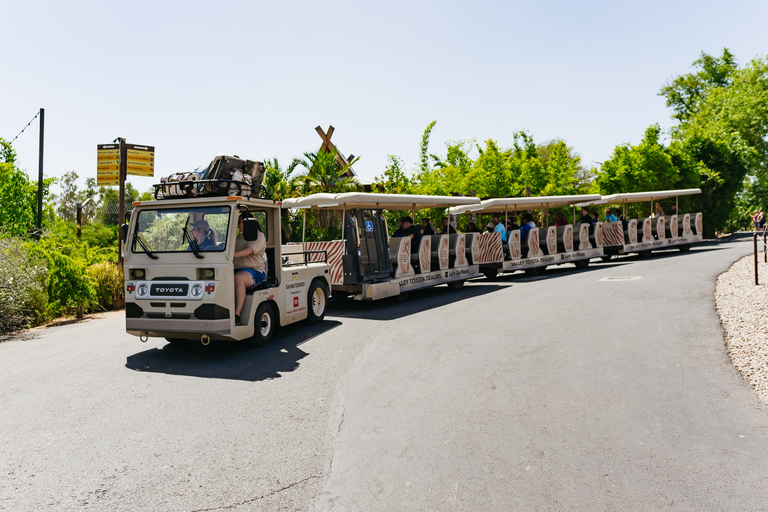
(107, 165)
(140, 160)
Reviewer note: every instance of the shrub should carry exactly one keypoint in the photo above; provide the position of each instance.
(107, 280)
(23, 296)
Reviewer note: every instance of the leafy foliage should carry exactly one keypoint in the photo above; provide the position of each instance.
(23, 296)
(18, 195)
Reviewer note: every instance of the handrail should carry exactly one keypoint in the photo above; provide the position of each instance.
(306, 261)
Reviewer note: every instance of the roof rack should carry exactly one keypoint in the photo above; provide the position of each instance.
(209, 188)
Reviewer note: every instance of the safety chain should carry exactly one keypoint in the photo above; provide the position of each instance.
(29, 123)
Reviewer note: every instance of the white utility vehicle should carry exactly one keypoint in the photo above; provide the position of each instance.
(179, 289)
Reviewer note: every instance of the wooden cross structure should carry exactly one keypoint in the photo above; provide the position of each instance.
(328, 146)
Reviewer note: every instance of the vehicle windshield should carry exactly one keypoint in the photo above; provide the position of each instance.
(163, 229)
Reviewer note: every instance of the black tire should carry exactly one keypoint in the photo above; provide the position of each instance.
(535, 271)
(606, 257)
(264, 325)
(456, 285)
(177, 341)
(582, 264)
(685, 247)
(317, 302)
(644, 254)
(490, 273)
(402, 296)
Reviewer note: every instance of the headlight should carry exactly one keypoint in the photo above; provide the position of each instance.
(197, 290)
(142, 290)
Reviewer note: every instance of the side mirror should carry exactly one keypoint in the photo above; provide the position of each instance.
(124, 232)
(251, 229)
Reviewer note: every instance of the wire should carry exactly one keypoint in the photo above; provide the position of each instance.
(29, 123)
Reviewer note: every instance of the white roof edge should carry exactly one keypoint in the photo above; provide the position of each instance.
(380, 201)
(635, 197)
(524, 203)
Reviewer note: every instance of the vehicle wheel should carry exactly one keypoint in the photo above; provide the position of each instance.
(606, 257)
(685, 247)
(490, 273)
(644, 254)
(402, 297)
(582, 264)
(456, 285)
(317, 298)
(176, 341)
(264, 325)
(535, 271)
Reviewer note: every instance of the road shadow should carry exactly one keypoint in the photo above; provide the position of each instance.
(415, 302)
(556, 271)
(232, 360)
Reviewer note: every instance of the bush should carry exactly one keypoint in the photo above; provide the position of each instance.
(68, 284)
(23, 295)
(107, 281)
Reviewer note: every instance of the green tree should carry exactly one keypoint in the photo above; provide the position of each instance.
(280, 182)
(647, 166)
(18, 195)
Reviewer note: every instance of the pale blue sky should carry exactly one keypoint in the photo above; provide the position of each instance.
(254, 78)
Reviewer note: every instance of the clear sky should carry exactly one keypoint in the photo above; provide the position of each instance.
(254, 78)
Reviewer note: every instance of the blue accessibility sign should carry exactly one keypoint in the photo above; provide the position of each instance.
(369, 225)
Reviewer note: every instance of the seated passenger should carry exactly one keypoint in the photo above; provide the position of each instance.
(512, 224)
(408, 229)
(446, 228)
(673, 209)
(499, 228)
(426, 227)
(202, 236)
(609, 215)
(472, 228)
(490, 228)
(249, 264)
(560, 219)
(585, 217)
(659, 212)
(526, 227)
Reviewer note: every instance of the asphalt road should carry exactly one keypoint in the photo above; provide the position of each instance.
(567, 392)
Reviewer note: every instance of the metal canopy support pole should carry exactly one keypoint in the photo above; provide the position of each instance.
(343, 216)
(40, 176)
(121, 206)
(304, 225)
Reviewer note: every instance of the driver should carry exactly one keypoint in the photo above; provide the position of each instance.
(249, 264)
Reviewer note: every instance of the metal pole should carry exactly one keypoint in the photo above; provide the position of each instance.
(79, 219)
(303, 225)
(121, 214)
(765, 254)
(40, 176)
(754, 238)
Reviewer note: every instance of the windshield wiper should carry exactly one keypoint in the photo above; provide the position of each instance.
(137, 238)
(192, 242)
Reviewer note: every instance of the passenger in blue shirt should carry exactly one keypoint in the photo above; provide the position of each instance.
(499, 228)
(609, 216)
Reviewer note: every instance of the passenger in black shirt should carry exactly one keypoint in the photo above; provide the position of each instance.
(447, 228)
(586, 218)
(408, 229)
(426, 227)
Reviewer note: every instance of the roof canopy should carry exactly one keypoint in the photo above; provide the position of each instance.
(637, 197)
(506, 204)
(351, 200)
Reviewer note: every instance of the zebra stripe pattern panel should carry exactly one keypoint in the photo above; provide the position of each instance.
(335, 250)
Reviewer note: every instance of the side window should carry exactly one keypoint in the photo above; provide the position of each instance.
(261, 216)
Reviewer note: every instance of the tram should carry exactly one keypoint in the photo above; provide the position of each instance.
(541, 246)
(644, 235)
(368, 264)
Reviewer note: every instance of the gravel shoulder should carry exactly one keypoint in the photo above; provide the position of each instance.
(743, 310)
